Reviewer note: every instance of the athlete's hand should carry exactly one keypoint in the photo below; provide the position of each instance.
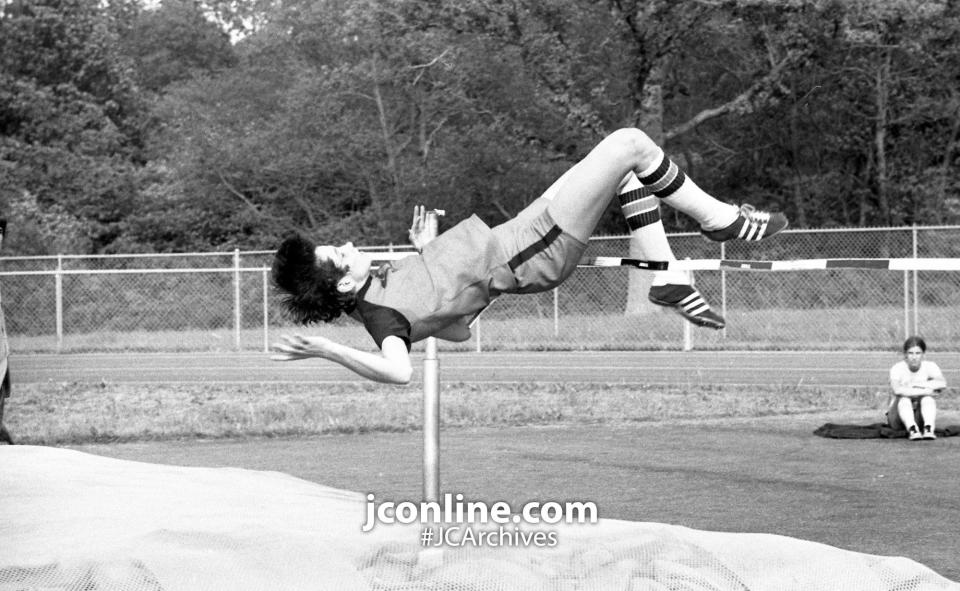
(294, 347)
(420, 232)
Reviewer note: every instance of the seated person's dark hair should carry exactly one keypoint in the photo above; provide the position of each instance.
(309, 287)
(915, 341)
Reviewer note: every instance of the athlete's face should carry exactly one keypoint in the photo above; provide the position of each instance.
(913, 357)
(347, 258)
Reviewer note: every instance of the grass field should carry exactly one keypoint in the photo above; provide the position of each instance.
(715, 458)
(59, 413)
(860, 328)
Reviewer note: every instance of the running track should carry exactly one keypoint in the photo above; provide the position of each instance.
(810, 369)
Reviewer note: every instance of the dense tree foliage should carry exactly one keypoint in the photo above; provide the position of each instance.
(174, 43)
(199, 124)
(70, 140)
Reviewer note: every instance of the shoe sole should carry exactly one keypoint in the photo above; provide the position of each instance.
(704, 322)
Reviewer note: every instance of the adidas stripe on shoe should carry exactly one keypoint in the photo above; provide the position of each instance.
(688, 302)
(751, 225)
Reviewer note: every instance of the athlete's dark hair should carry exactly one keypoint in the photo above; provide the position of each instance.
(309, 287)
(914, 341)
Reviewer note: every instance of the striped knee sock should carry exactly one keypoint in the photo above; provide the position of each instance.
(642, 212)
(665, 180)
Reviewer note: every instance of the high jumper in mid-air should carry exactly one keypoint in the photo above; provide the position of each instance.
(456, 275)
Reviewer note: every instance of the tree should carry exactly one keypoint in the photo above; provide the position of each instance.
(69, 119)
(337, 119)
(338, 115)
(174, 42)
(864, 144)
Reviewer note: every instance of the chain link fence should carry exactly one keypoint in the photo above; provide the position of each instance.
(223, 301)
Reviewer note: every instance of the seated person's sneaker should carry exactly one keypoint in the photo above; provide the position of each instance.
(751, 224)
(688, 302)
(914, 433)
(928, 432)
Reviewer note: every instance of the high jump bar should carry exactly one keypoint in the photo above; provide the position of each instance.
(890, 264)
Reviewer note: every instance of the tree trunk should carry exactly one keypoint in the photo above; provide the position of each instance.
(880, 137)
(800, 211)
(390, 152)
(650, 120)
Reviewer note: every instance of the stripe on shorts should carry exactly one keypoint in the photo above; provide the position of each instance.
(539, 246)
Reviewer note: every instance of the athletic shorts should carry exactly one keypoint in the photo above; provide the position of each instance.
(541, 255)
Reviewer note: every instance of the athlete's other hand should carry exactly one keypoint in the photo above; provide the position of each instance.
(294, 347)
(420, 231)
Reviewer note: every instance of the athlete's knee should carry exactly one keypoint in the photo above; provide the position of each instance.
(634, 145)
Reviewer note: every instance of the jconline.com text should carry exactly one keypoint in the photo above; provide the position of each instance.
(455, 510)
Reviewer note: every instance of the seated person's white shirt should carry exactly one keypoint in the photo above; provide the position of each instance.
(901, 376)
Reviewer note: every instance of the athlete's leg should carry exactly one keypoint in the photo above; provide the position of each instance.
(669, 288)
(718, 221)
(578, 199)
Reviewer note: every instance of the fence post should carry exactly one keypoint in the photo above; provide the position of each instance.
(556, 312)
(687, 333)
(476, 332)
(723, 289)
(236, 298)
(58, 282)
(916, 288)
(906, 304)
(266, 313)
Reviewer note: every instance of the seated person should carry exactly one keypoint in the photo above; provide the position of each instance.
(914, 382)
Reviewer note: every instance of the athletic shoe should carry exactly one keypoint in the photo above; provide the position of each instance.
(688, 302)
(914, 434)
(928, 433)
(751, 224)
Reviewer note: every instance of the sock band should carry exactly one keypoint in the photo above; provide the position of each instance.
(635, 222)
(665, 180)
(639, 209)
(634, 195)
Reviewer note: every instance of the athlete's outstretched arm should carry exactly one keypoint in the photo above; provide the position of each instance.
(391, 366)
